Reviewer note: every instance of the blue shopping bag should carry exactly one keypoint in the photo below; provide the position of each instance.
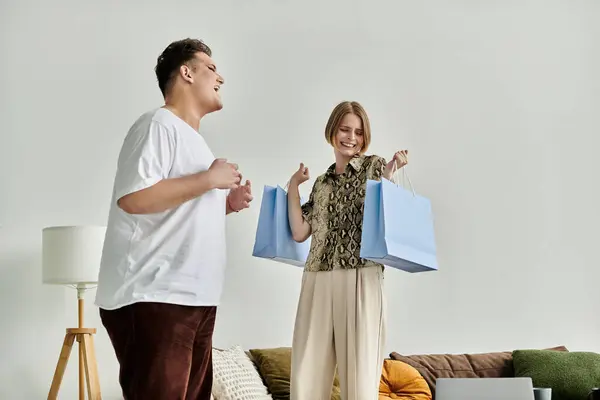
(273, 234)
(398, 228)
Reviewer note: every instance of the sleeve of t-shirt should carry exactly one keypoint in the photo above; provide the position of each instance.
(146, 158)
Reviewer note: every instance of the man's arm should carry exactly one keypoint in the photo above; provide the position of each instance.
(228, 209)
(166, 194)
(143, 185)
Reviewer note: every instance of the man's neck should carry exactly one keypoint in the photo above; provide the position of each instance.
(186, 110)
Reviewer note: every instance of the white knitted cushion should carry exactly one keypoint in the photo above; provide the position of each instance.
(235, 377)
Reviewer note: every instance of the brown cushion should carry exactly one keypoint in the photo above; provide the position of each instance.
(274, 365)
(483, 365)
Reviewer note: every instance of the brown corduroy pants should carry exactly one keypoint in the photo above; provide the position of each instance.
(164, 350)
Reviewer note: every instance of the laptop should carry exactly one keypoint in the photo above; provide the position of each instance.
(484, 389)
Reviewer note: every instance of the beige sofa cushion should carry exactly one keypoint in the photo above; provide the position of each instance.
(235, 376)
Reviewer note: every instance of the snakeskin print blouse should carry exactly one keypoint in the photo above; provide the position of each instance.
(334, 211)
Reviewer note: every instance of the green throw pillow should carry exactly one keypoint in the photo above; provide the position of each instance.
(274, 365)
(571, 375)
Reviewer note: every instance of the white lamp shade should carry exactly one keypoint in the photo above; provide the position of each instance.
(71, 254)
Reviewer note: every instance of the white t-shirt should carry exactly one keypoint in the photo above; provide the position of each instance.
(177, 256)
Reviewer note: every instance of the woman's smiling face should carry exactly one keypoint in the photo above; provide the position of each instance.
(349, 138)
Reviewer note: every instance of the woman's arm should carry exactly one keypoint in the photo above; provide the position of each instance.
(301, 229)
(299, 226)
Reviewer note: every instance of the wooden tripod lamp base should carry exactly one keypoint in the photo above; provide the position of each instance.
(86, 345)
(88, 367)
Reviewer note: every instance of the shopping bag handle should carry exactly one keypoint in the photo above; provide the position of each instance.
(404, 174)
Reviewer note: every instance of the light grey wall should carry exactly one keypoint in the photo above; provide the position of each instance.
(497, 102)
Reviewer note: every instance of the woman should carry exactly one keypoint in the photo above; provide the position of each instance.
(341, 311)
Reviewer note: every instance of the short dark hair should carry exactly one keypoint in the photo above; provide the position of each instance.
(174, 56)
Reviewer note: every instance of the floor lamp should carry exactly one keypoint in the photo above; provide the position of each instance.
(71, 257)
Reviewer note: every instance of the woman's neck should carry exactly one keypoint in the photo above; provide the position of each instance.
(341, 162)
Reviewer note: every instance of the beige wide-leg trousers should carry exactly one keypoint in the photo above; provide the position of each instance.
(340, 320)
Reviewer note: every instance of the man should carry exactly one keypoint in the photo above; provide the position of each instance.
(163, 262)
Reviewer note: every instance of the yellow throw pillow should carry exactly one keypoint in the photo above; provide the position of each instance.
(403, 382)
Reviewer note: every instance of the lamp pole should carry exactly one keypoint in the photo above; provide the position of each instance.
(80, 292)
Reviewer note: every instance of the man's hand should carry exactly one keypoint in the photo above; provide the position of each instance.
(240, 197)
(224, 175)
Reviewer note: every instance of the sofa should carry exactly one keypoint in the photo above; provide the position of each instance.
(264, 374)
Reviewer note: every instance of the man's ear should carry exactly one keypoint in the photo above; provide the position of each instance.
(186, 73)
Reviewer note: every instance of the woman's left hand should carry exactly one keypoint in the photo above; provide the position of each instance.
(399, 160)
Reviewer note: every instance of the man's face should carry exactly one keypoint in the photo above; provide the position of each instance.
(206, 83)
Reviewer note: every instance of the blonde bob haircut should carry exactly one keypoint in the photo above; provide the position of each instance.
(335, 119)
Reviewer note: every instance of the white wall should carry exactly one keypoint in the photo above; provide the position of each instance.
(497, 101)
